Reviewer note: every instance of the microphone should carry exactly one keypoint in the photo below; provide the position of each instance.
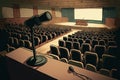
(78, 74)
(71, 69)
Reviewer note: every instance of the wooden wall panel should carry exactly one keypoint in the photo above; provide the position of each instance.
(110, 22)
(35, 10)
(16, 11)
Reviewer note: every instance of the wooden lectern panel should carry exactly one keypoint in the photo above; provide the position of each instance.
(52, 70)
(81, 22)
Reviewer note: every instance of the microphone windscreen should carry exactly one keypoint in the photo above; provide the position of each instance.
(71, 69)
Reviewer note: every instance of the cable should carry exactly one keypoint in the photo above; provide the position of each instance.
(78, 74)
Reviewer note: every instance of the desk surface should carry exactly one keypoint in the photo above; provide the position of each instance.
(54, 68)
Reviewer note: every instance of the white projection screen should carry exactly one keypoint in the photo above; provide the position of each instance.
(88, 13)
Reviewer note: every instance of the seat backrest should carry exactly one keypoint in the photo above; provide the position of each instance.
(76, 55)
(109, 61)
(69, 45)
(80, 41)
(102, 42)
(76, 63)
(44, 38)
(114, 73)
(85, 47)
(65, 38)
(76, 45)
(16, 42)
(112, 43)
(28, 44)
(112, 50)
(104, 71)
(100, 49)
(54, 50)
(70, 39)
(36, 41)
(61, 43)
(88, 41)
(21, 43)
(90, 67)
(75, 39)
(91, 58)
(64, 53)
(64, 60)
(55, 56)
(94, 42)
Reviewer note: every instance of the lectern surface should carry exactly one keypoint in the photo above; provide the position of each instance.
(54, 68)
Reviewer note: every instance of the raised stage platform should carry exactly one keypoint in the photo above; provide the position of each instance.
(90, 26)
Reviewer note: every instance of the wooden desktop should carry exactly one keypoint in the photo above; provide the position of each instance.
(52, 70)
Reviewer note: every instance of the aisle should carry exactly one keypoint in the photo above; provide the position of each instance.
(46, 47)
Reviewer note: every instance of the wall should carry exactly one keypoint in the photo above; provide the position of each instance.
(20, 13)
(58, 4)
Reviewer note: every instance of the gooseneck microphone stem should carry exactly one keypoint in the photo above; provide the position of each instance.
(36, 60)
(33, 43)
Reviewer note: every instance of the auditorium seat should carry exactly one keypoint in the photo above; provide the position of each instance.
(109, 61)
(91, 58)
(54, 56)
(21, 43)
(76, 45)
(28, 44)
(105, 72)
(114, 73)
(70, 39)
(49, 35)
(88, 41)
(65, 38)
(10, 41)
(25, 37)
(80, 41)
(54, 50)
(100, 50)
(36, 41)
(76, 63)
(85, 47)
(64, 60)
(16, 42)
(64, 53)
(69, 45)
(112, 50)
(90, 67)
(75, 40)
(112, 43)
(44, 38)
(10, 48)
(102, 42)
(94, 42)
(61, 43)
(76, 55)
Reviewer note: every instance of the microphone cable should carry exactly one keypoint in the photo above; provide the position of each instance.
(78, 74)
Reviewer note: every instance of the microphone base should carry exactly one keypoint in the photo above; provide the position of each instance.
(39, 61)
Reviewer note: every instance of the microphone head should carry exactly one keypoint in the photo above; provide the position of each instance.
(71, 69)
(38, 19)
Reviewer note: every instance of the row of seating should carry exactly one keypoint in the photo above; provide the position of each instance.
(92, 42)
(99, 49)
(87, 57)
(20, 35)
(88, 66)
